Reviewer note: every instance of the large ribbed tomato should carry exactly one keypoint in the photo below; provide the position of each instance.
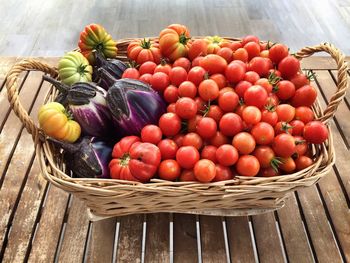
(144, 50)
(174, 41)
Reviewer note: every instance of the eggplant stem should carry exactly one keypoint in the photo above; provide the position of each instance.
(63, 88)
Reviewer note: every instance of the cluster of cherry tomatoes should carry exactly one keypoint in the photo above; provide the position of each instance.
(234, 107)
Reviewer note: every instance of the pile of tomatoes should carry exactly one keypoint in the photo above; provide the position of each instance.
(234, 108)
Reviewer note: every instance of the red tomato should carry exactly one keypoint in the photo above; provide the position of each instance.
(131, 73)
(304, 96)
(204, 171)
(123, 146)
(284, 145)
(315, 132)
(170, 124)
(299, 80)
(289, 66)
(250, 38)
(251, 115)
(219, 79)
(208, 90)
(169, 170)
(253, 49)
(171, 94)
(206, 127)
(159, 81)
(275, 72)
(255, 96)
(196, 75)
(268, 172)
(215, 112)
(283, 127)
(177, 75)
(241, 88)
(171, 108)
(272, 100)
(234, 72)
(163, 67)
(244, 142)
(187, 156)
(146, 78)
(187, 89)
(209, 152)
(192, 123)
(198, 47)
(243, 64)
(143, 51)
(298, 127)
(227, 155)
(287, 165)
(213, 64)
(264, 53)
(228, 101)
(178, 139)
(195, 62)
(247, 165)
(223, 173)
(263, 133)
(270, 116)
(219, 139)
(201, 105)
(187, 176)
(151, 133)
(301, 146)
(285, 90)
(147, 67)
(235, 45)
(192, 139)
(182, 62)
(186, 108)
(231, 124)
(241, 54)
(265, 156)
(226, 89)
(285, 112)
(226, 53)
(259, 65)
(278, 52)
(305, 114)
(168, 149)
(251, 76)
(303, 162)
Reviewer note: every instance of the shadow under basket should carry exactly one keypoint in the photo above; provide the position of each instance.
(239, 196)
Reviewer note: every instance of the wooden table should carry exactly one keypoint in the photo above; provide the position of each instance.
(41, 223)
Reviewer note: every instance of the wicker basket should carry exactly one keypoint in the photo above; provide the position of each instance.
(240, 196)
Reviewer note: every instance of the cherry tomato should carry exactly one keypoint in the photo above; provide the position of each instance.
(298, 127)
(300, 146)
(204, 170)
(285, 112)
(131, 73)
(209, 152)
(228, 101)
(215, 112)
(198, 48)
(241, 87)
(243, 64)
(305, 114)
(226, 53)
(219, 139)
(272, 100)
(285, 90)
(163, 67)
(289, 66)
(192, 123)
(278, 52)
(177, 75)
(146, 78)
(147, 67)
(178, 139)
(284, 145)
(241, 54)
(263, 133)
(223, 173)
(213, 64)
(264, 82)
(187, 176)
(315, 132)
(225, 89)
(255, 96)
(283, 127)
(187, 156)
(247, 165)
(303, 162)
(186, 108)
(208, 90)
(250, 38)
(171, 108)
(220, 79)
(206, 127)
(195, 62)
(227, 155)
(264, 53)
(168, 149)
(196, 75)
(304, 96)
(253, 49)
(234, 72)
(231, 124)
(159, 81)
(260, 66)
(265, 155)
(287, 165)
(251, 76)
(151, 133)
(182, 62)
(171, 94)
(187, 89)
(299, 80)
(269, 116)
(170, 124)
(201, 105)
(192, 139)
(244, 142)
(169, 170)
(268, 172)
(235, 45)
(251, 115)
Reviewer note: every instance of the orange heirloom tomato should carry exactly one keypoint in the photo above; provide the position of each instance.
(144, 50)
(55, 122)
(174, 41)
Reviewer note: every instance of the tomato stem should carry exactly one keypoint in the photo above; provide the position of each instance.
(124, 161)
(183, 39)
(146, 43)
(275, 163)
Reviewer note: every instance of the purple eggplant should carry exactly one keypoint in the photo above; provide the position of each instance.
(133, 104)
(87, 102)
(87, 158)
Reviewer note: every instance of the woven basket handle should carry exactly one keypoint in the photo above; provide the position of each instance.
(13, 95)
(342, 80)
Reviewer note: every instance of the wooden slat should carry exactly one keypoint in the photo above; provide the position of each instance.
(157, 238)
(323, 241)
(240, 241)
(318, 62)
(5, 64)
(75, 234)
(100, 248)
(130, 238)
(267, 240)
(294, 235)
(185, 238)
(212, 239)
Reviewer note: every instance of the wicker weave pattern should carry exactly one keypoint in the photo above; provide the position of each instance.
(240, 196)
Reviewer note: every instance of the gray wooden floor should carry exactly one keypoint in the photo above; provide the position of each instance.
(49, 28)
